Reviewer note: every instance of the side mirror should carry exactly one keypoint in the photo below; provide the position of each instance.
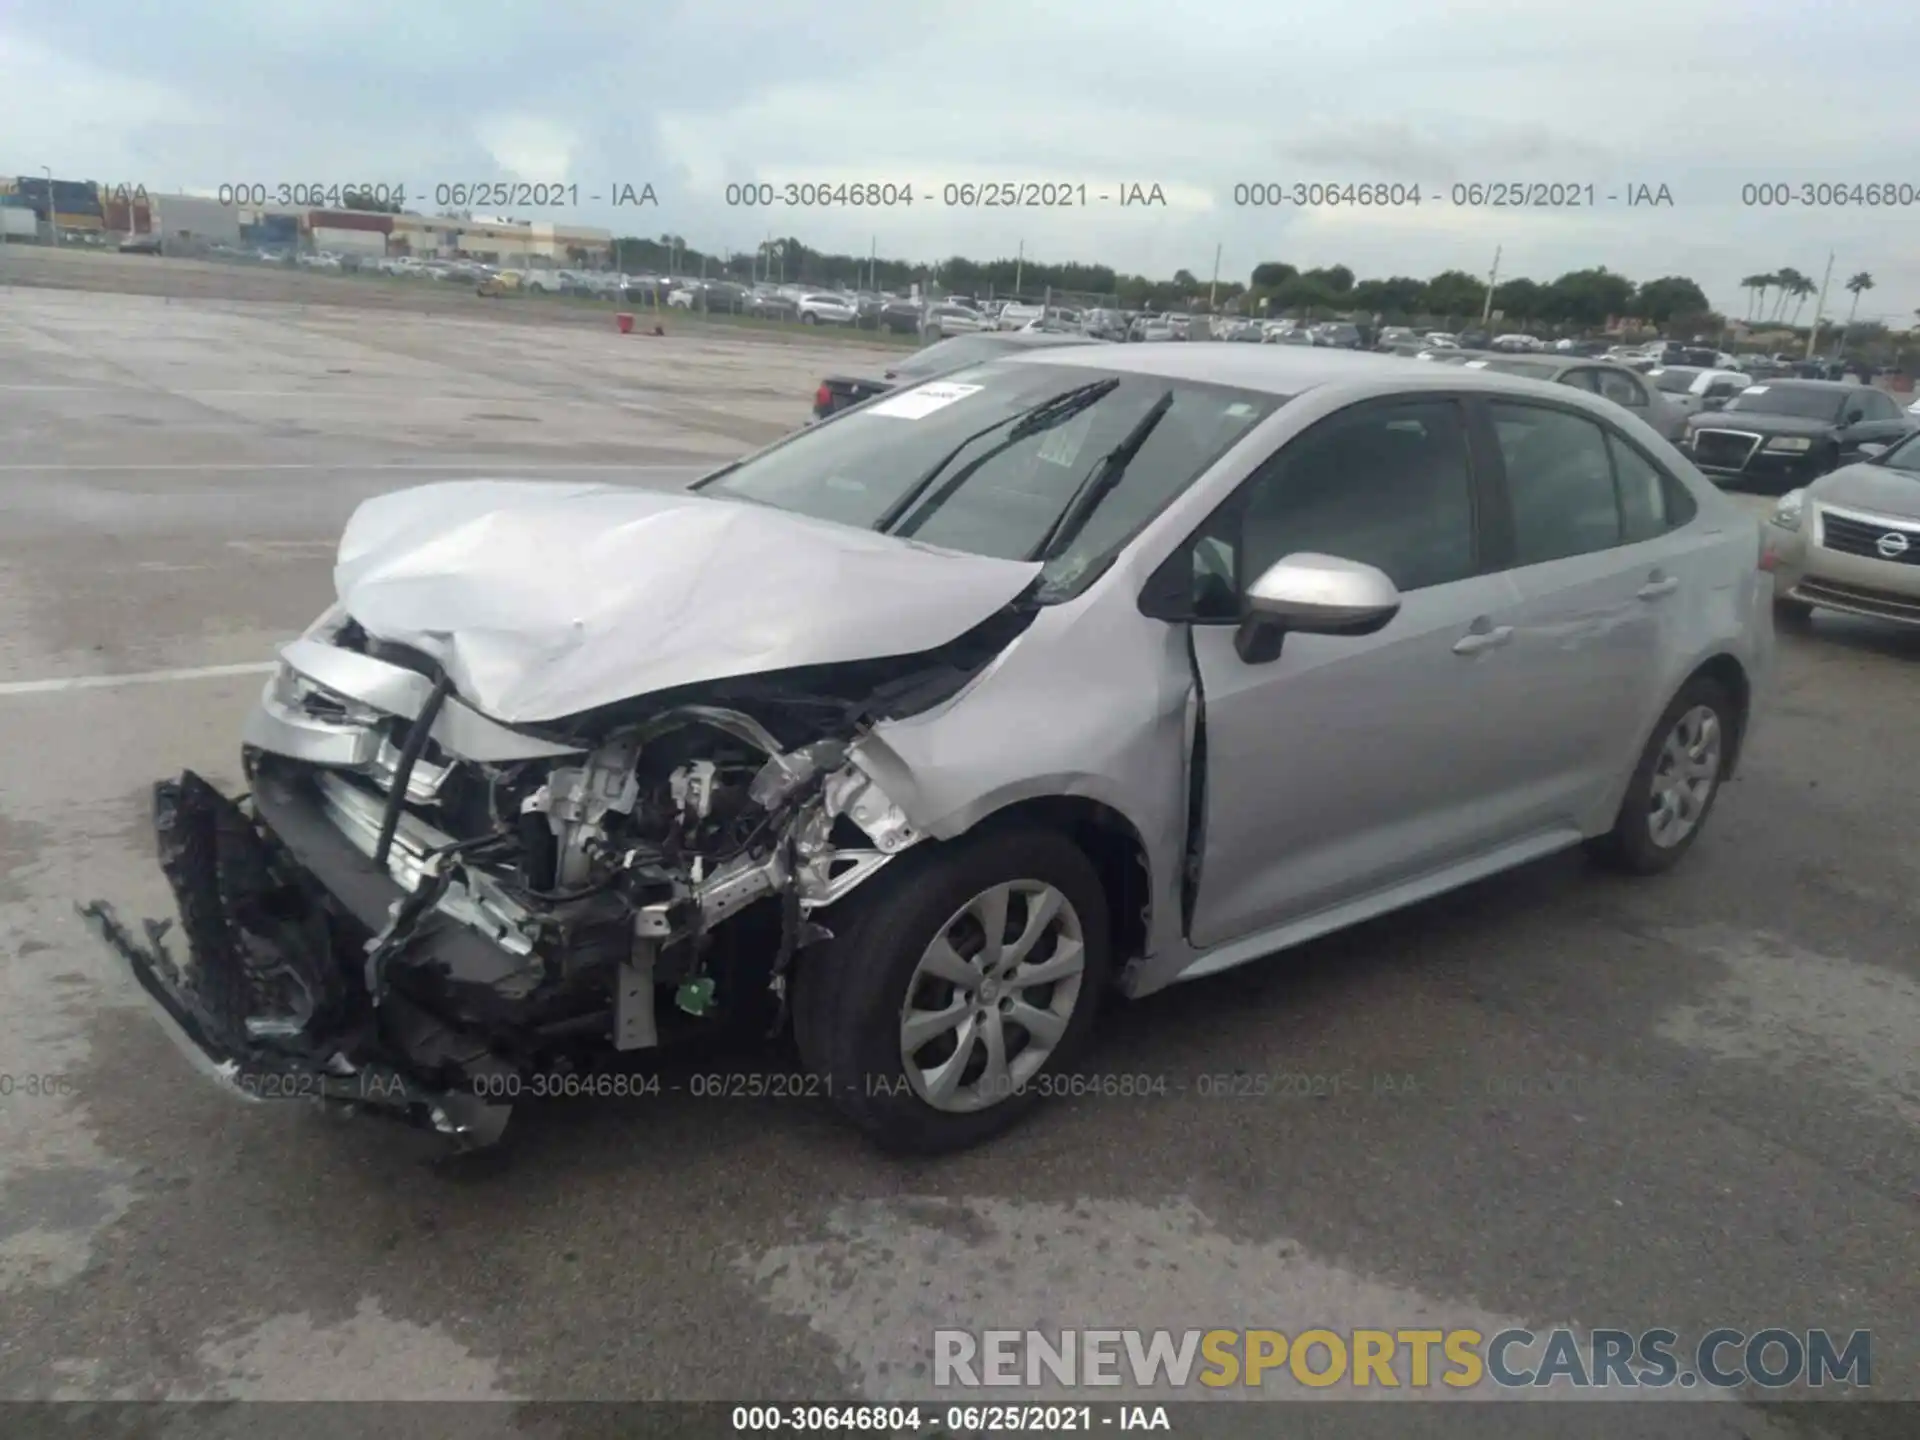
(1853, 417)
(1714, 402)
(1314, 595)
(1871, 449)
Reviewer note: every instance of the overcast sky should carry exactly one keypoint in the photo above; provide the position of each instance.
(1701, 98)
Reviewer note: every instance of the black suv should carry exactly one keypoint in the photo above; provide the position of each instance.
(1779, 435)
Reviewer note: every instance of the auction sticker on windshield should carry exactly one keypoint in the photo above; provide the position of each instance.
(923, 400)
(1754, 390)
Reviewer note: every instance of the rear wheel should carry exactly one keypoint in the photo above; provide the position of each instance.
(957, 989)
(1673, 788)
(809, 318)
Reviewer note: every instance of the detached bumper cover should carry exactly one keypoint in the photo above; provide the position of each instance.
(261, 1006)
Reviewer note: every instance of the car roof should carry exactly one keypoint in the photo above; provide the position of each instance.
(1794, 382)
(1292, 370)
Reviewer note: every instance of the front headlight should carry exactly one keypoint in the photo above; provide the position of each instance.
(1789, 444)
(1787, 513)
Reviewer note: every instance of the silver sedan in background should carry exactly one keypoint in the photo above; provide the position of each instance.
(1850, 540)
(1085, 669)
(1618, 383)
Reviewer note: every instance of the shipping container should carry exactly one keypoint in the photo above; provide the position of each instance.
(78, 200)
(17, 222)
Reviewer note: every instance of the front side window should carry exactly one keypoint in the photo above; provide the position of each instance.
(1879, 407)
(1386, 484)
(949, 463)
(1559, 482)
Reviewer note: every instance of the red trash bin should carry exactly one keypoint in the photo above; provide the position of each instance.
(625, 322)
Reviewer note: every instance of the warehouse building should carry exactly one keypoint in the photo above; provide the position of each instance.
(502, 241)
(191, 220)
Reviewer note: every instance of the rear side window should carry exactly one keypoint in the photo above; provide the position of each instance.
(1652, 502)
(1621, 388)
(1559, 482)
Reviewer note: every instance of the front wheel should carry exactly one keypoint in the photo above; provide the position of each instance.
(958, 991)
(1673, 788)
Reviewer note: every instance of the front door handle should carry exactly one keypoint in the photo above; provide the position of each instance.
(1474, 641)
(1654, 589)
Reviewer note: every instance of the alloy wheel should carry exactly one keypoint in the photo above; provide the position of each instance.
(992, 996)
(1684, 777)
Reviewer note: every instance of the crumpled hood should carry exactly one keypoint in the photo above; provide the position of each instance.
(546, 599)
(1871, 487)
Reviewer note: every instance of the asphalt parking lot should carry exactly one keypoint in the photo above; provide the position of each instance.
(1687, 1102)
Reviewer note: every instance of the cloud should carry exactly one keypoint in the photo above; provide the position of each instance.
(529, 147)
(694, 97)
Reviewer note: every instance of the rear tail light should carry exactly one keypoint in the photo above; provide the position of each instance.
(823, 398)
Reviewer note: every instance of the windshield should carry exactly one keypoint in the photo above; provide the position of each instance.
(1808, 402)
(859, 469)
(1903, 456)
(950, 355)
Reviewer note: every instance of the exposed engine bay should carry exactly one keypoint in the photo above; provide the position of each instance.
(416, 904)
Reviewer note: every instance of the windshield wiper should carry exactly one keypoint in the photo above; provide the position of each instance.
(1048, 412)
(1099, 484)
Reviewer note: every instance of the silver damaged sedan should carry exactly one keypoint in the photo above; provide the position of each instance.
(918, 733)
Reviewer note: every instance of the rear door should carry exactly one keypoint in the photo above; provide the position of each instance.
(1598, 588)
(1351, 763)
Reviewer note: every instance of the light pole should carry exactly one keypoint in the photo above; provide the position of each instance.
(1819, 307)
(53, 223)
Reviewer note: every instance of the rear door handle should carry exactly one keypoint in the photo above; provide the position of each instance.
(1475, 641)
(1654, 589)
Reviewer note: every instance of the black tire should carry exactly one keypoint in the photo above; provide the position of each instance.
(1629, 846)
(809, 318)
(1789, 611)
(848, 997)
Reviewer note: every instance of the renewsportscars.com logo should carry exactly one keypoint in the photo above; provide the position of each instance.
(1444, 1360)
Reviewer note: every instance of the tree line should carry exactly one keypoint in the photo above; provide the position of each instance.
(1577, 299)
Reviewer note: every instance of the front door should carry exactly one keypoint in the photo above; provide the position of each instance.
(1349, 764)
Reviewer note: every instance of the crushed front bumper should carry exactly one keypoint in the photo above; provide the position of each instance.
(263, 1005)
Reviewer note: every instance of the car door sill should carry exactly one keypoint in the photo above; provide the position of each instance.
(1287, 934)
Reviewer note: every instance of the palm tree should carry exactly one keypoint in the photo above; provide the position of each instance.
(1859, 285)
(1802, 288)
(1756, 287)
(1785, 280)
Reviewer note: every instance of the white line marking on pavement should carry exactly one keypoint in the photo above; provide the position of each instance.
(147, 677)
